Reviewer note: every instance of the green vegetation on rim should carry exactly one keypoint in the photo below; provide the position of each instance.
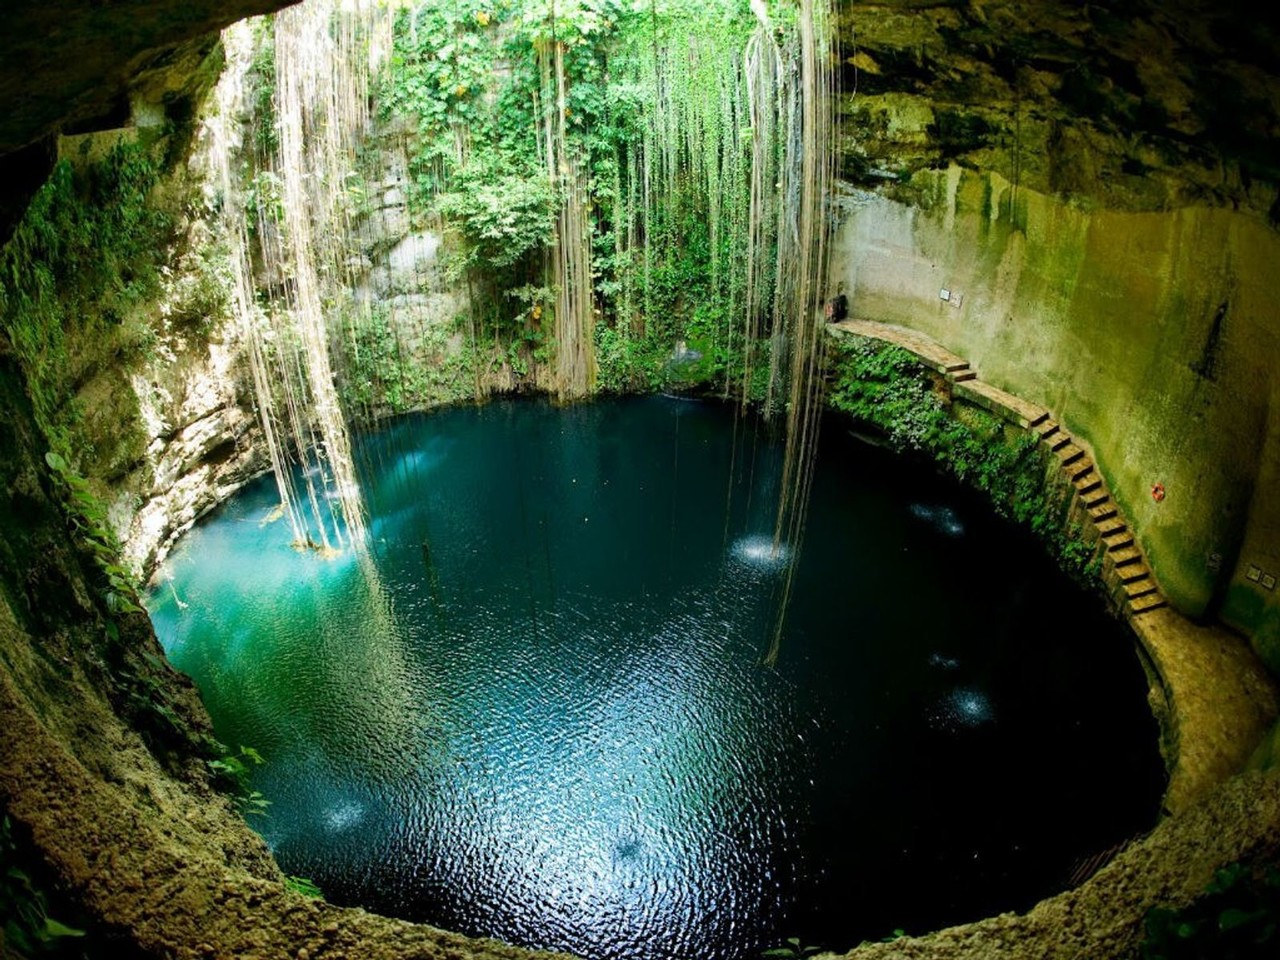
(655, 115)
(26, 928)
(1237, 918)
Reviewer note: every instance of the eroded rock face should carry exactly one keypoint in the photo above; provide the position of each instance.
(1133, 104)
(77, 62)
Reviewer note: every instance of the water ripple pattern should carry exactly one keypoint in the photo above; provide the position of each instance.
(540, 714)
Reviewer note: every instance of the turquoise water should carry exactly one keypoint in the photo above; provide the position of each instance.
(539, 713)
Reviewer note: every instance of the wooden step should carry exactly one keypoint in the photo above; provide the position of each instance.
(1148, 601)
(1058, 440)
(1132, 571)
(1068, 453)
(1079, 468)
(1111, 525)
(1139, 587)
(1102, 508)
(1087, 483)
(1124, 556)
(1095, 498)
(960, 376)
(1118, 540)
(954, 365)
(1046, 427)
(1038, 419)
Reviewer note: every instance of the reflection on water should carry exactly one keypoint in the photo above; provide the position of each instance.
(761, 553)
(960, 708)
(539, 711)
(942, 518)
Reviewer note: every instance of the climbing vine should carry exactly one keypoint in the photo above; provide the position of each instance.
(605, 152)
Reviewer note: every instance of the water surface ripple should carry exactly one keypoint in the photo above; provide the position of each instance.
(544, 718)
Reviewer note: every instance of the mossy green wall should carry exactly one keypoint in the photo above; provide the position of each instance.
(1151, 335)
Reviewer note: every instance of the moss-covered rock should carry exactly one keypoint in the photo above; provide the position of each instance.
(1139, 107)
(1150, 334)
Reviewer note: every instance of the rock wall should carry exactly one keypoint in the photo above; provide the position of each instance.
(407, 304)
(203, 443)
(166, 428)
(1052, 192)
(194, 434)
(1153, 335)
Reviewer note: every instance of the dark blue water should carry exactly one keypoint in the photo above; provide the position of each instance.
(541, 713)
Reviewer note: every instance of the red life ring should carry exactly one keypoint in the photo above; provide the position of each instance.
(1157, 492)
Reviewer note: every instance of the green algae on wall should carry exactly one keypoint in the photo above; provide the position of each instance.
(75, 282)
(1247, 608)
(1150, 334)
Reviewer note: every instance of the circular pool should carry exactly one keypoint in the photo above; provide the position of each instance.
(540, 711)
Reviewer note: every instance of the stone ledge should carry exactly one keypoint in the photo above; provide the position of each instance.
(1003, 404)
(928, 352)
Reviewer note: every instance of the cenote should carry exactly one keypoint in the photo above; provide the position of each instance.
(541, 713)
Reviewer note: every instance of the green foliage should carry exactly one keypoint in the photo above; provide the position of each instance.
(792, 950)
(139, 678)
(80, 266)
(233, 773)
(502, 215)
(889, 389)
(645, 101)
(200, 296)
(260, 84)
(1237, 918)
(304, 886)
(87, 516)
(628, 364)
(381, 374)
(29, 931)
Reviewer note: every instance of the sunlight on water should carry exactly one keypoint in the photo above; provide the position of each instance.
(941, 518)
(962, 708)
(343, 816)
(513, 723)
(760, 552)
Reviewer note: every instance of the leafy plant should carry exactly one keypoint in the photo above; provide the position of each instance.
(24, 909)
(234, 772)
(502, 215)
(88, 518)
(79, 268)
(888, 388)
(643, 97)
(304, 886)
(792, 950)
(1237, 918)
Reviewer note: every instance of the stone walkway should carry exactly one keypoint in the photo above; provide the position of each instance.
(1219, 701)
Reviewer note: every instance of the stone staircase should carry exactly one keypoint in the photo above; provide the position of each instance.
(1124, 568)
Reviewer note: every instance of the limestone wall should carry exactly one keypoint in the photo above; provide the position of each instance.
(1152, 334)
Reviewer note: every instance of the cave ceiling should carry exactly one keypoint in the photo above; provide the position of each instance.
(68, 62)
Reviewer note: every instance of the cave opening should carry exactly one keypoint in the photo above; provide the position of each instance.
(249, 266)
